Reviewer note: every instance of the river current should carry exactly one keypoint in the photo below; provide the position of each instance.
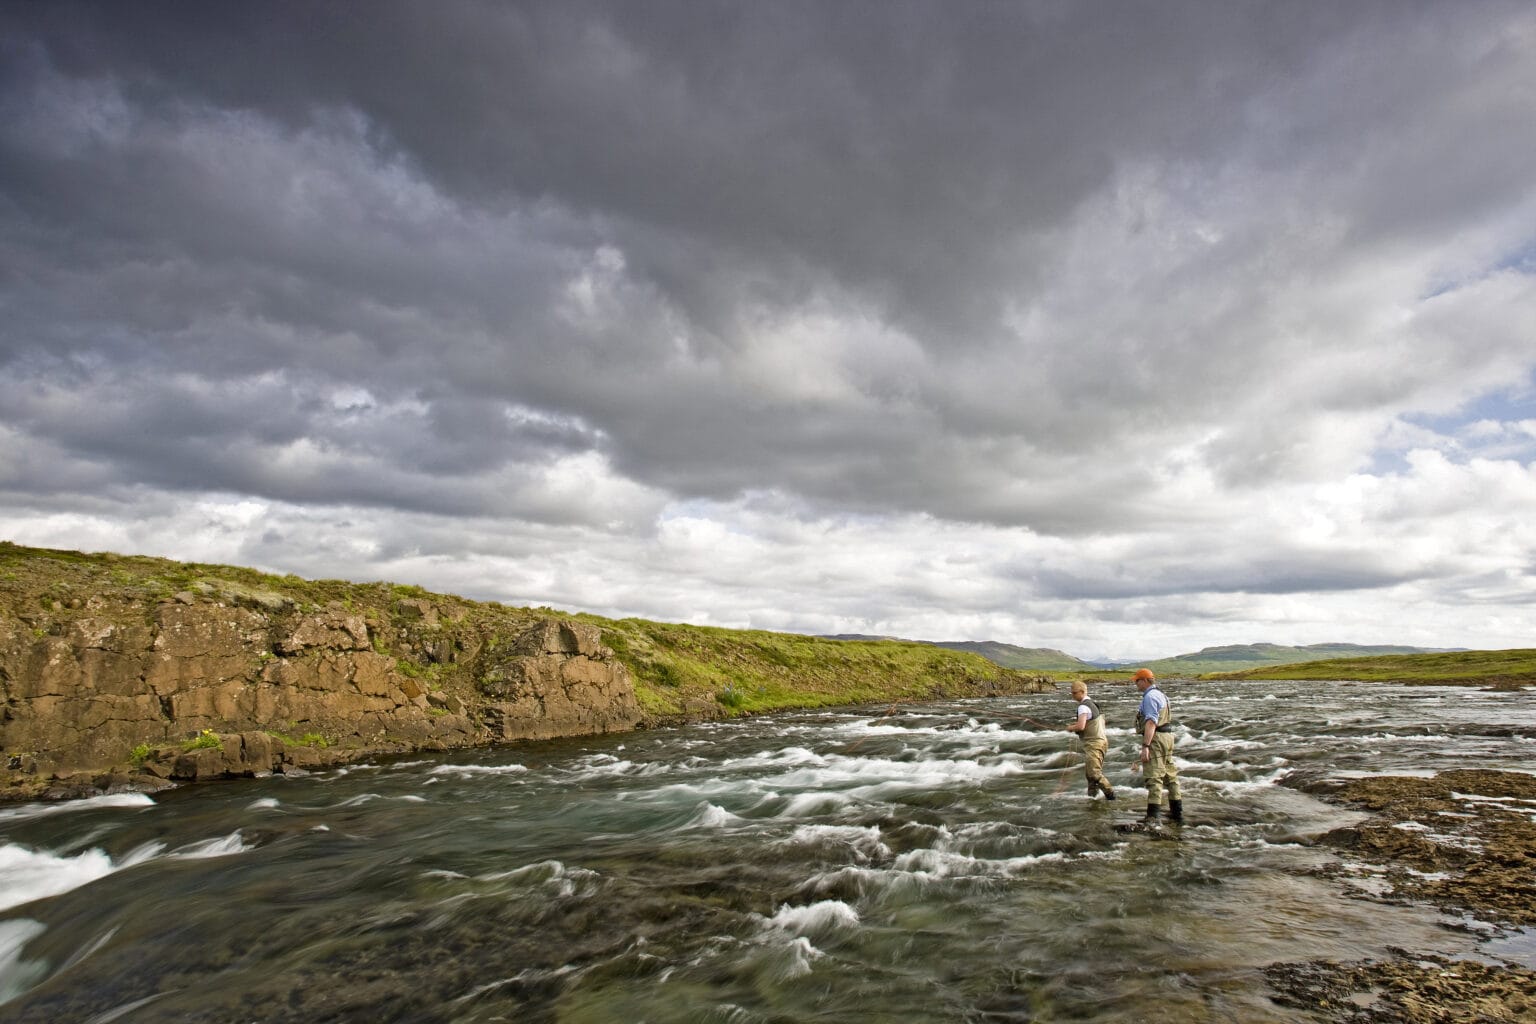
(933, 862)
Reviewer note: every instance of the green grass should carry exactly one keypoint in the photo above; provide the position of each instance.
(678, 667)
(1512, 667)
(204, 740)
(309, 739)
(1259, 657)
(680, 671)
(1029, 659)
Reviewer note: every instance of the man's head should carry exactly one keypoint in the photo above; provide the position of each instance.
(1143, 678)
(1079, 690)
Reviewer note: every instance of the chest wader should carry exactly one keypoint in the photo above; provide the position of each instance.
(1095, 746)
(1160, 768)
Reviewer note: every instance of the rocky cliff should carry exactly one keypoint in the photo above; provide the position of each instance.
(133, 672)
(103, 688)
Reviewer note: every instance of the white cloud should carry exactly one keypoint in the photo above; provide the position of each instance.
(1122, 343)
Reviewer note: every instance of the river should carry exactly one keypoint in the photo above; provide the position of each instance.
(936, 862)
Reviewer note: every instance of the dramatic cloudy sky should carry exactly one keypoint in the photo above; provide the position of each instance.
(1122, 328)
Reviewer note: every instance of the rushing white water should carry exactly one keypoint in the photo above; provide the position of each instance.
(935, 863)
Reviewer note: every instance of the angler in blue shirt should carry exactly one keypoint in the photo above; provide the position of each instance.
(1155, 727)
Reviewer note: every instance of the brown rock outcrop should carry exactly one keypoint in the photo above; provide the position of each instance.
(558, 680)
(195, 687)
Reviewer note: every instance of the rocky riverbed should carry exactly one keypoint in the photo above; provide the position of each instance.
(1463, 841)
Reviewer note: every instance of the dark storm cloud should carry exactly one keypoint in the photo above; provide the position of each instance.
(275, 436)
(986, 262)
(1295, 573)
(912, 153)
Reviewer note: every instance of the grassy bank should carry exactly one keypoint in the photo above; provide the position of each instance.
(680, 671)
(676, 667)
(1513, 668)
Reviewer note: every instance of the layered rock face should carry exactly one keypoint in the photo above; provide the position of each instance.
(558, 680)
(208, 688)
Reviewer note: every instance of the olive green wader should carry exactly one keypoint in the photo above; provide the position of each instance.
(1095, 746)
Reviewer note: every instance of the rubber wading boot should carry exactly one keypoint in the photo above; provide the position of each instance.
(1109, 794)
(1154, 813)
(1175, 810)
(1093, 790)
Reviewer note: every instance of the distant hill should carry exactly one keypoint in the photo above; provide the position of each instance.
(1231, 658)
(1512, 669)
(1243, 657)
(1035, 659)
(1030, 659)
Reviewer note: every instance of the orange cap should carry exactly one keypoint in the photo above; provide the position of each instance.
(1143, 673)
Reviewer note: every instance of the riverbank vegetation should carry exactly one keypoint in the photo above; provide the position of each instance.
(1514, 668)
(679, 671)
(1258, 657)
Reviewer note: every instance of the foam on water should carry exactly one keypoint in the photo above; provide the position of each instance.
(360, 799)
(923, 773)
(864, 843)
(17, 974)
(1244, 785)
(947, 864)
(470, 770)
(794, 960)
(224, 846)
(815, 919)
(781, 758)
(807, 805)
(27, 875)
(532, 974)
(547, 878)
(131, 801)
(712, 816)
(614, 767)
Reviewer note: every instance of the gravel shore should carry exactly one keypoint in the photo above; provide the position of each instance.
(1463, 841)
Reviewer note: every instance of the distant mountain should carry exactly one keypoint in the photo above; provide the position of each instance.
(1029, 659)
(1034, 659)
(1237, 657)
(1231, 658)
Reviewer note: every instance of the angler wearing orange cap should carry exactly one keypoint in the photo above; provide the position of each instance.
(1155, 727)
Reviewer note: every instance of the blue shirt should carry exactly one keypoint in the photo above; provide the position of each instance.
(1152, 704)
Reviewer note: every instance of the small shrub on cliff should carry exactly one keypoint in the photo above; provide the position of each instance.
(206, 738)
(139, 754)
(309, 739)
(730, 697)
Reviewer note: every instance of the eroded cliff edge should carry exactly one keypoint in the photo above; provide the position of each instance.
(104, 691)
(122, 672)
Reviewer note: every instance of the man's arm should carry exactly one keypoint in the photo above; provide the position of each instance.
(1080, 724)
(1148, 730)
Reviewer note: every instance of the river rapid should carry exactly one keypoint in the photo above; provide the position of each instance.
(934, 862)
